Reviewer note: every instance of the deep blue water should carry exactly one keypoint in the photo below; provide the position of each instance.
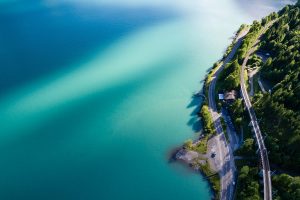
(55, 43)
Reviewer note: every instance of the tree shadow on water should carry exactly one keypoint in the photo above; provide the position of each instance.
(195, 104)
(195, 123)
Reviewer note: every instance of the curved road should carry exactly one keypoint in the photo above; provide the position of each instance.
(224, 158)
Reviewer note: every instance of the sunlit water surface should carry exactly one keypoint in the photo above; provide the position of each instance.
(94, 95)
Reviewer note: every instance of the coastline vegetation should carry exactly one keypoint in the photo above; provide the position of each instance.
(208, 131)
(201, 147)
(208, 125)
(248, 186)
(278, 111)
(213, 178)
(229, 48)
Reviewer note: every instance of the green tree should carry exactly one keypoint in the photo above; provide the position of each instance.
(207, 120)
(248, 147)
(288, 187)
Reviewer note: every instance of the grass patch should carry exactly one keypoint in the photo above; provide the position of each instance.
(201, 146)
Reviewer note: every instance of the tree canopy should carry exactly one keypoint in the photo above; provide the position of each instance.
(280, 110)
(288, 187)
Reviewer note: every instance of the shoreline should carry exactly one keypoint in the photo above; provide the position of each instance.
(188, 154)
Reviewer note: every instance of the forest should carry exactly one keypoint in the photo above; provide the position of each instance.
(278, 109)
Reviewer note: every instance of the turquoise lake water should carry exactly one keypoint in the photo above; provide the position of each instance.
(95, 95)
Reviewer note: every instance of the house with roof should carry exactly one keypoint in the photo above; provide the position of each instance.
(228, 96)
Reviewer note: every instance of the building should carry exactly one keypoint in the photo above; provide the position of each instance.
(230, 96)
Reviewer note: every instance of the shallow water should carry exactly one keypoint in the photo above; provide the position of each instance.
(94, 95)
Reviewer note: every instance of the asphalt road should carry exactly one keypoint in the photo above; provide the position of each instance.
(224, 156)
